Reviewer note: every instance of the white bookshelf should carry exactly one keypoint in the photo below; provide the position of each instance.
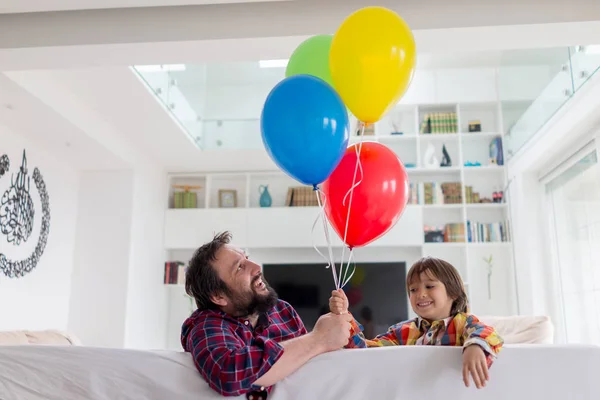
(280, 227)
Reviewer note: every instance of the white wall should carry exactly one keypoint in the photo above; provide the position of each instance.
(102, 257)
(146, 295)
(40, 299)
(118, 297)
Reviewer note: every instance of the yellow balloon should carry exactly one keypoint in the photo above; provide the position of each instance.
(372, 61)
(358, 277)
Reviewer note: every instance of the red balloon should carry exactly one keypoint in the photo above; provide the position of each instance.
(378, 201)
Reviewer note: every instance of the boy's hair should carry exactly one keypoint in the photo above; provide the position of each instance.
(445, 273)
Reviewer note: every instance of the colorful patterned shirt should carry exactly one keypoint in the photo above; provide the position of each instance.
(230, 354)
(460, 330)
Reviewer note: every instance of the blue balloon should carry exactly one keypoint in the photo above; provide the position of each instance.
(305, 128)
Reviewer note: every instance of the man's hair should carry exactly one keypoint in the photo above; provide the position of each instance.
(201, 279)
(445, 273)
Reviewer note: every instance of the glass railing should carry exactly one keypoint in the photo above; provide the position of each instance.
(162, 80)
(558, 80)
(218, 105)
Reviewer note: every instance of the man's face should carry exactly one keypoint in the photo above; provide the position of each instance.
(249, 293)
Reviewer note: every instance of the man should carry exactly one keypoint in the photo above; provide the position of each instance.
(242, 337)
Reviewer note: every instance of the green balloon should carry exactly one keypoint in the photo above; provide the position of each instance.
(312, 58)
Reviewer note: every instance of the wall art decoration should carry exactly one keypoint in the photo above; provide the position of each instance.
(17, 215)
(4, 165)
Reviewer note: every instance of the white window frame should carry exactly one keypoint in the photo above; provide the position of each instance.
(554, 278)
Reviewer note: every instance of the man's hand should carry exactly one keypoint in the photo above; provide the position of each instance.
(338, 302)
(332, 331)
(474, 363)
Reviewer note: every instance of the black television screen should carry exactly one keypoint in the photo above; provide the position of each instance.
(301, 296)
(307, 287)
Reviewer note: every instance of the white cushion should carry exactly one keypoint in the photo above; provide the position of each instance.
(522, 329)
(48, 337)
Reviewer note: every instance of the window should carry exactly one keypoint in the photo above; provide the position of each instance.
(573, 196)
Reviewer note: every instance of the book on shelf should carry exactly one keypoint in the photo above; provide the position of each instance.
(454, 233)
(435, 193)
(478, 232)
(449, 233)
(174, 273)
(439, 123)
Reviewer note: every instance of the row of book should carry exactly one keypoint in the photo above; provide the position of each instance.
(488, 232)
(435, 193)
(476, 232)
(301, 196)
(174, 273)
(439, 123)
(448, 233)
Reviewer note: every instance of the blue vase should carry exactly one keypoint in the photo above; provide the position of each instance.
(265, 197)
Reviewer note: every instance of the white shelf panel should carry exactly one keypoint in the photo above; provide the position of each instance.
(190, 228)
(438, 136)
(485, 168)
(491, 244)
(479, 135)
(433, 171)
(442, 206)
(289, 227)
(486, 206)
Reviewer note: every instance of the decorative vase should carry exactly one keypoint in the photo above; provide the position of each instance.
(265, 197)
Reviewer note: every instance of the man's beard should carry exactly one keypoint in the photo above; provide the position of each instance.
(250, 303)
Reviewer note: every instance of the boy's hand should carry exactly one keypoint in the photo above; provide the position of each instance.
(338, 302)
(474, 363)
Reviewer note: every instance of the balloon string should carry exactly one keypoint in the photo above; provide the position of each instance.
(347, 279)
(321, 215)
(351, 191)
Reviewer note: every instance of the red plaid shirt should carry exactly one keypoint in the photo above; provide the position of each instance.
(230, 354)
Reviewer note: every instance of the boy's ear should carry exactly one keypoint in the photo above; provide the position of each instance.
(219, 299)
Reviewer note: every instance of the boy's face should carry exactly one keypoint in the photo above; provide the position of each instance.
(428, 298)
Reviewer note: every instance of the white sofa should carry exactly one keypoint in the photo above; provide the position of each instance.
(523, 371)
(34, 372)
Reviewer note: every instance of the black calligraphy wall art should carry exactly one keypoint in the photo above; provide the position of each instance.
(17, 216)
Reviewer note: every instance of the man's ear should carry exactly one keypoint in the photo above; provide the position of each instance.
(219, 299)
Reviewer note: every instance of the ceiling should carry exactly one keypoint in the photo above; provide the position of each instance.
(27, 6)
(71, 73)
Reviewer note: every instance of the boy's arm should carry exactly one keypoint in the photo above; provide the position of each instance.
(358, 340)
(476, 332)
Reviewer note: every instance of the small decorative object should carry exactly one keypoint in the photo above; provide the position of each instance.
(369, 129)
(265, 197)
(227, 198)
(497, 197)
(433, 234)
(430, 160)
(446, 161)
(475, 126)
(496, 154)
(490, 265)
(396, 121)
(185, 199)
(472, 164)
